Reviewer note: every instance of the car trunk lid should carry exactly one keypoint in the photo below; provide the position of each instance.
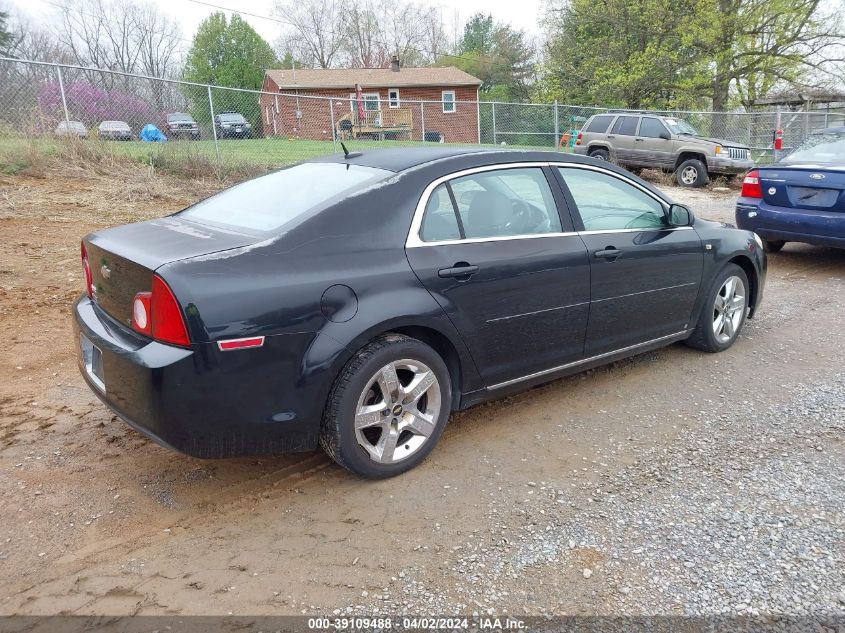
(123, 259)
(799, 187)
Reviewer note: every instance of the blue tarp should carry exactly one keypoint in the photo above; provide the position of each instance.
(151, 134)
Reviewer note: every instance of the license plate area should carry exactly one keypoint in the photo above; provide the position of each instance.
(813, 197)
(92, 359)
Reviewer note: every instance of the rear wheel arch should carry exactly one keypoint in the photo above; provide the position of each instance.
(444, 347)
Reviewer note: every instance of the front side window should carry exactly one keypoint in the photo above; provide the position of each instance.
(652, 128)
(270, 202)
(448, 97)
(625, 125)
(494, 204)
(607, 203)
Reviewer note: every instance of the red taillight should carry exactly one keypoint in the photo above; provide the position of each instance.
(167, 323)
(157, 314)
(86, 271)
(578, 139)
(751, 185)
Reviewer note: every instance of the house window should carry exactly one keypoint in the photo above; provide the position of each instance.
(448, 97)
(371, 100)
(393, 97)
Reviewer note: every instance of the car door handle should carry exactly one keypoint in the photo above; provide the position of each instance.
(639, 140)
(608, 253)
(610, 136)
(460, 271)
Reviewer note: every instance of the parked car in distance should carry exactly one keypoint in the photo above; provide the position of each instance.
(390, 288)
(648, 141)
(71, 128)
(232, 125)
(114, 131)
(800, 198)
(181, 125)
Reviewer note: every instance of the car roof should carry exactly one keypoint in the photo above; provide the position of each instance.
(401, 159)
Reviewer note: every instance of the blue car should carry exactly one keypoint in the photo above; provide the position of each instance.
(801, 198)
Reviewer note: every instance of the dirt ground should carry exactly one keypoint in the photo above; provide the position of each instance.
(96, 519)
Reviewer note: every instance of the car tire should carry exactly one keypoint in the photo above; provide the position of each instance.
(692, 173)
(356, 398)
(599, 154)
(773, 246)
(722, 317)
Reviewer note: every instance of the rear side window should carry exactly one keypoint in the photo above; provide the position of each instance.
(598, 124)
(492, 204)
(269, 202)
(625, 125)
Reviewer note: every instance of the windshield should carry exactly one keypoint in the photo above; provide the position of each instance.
(232, 118)
(269, 202)
(679, 126)
(179, 117)
(824, 147)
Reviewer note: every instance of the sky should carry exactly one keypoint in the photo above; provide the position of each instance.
(521, 14)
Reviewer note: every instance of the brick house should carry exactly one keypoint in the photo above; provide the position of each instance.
(308, 103)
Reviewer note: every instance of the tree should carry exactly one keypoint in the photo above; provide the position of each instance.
(498, 55)
(317, 32)
(624, 53)
(5, 35)
(228, 53)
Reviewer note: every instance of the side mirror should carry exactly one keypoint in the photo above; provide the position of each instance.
(679, 215)
(665, 136)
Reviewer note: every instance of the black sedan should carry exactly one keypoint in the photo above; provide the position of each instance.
(355, 301)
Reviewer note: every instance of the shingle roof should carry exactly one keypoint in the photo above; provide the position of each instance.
(371, 77)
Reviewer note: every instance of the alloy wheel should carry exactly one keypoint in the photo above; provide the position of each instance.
(729, 309)
(689, 175)
(398, 411)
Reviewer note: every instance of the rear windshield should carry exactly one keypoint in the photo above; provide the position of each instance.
(826, 147)
(269, 202)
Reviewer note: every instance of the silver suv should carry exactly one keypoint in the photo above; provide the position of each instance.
(648, 141)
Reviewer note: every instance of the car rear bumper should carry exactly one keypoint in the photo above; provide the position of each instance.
(822, 228)
(202, 401)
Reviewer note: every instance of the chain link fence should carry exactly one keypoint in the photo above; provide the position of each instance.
(159, 120)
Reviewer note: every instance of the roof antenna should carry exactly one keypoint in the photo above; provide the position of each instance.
(347, 154)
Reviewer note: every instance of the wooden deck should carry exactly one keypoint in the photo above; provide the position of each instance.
(392, 123)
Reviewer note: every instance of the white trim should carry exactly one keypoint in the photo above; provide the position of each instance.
(454, 101)
(390, 100)
(415, 241)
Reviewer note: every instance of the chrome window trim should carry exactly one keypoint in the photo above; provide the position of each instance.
(415, 241)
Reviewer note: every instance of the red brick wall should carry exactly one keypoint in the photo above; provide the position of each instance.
(279, 113)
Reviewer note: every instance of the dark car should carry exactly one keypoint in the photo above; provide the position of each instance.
(801, 198)
(357, 314)
(181, 125)
(232, 125)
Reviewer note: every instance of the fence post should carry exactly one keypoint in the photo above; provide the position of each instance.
(64, 99)
(493, 105)
(334, 131)
(213, 127)
(422, 120)
(557, 127)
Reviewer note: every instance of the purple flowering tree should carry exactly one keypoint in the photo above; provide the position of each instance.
(92, 105)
